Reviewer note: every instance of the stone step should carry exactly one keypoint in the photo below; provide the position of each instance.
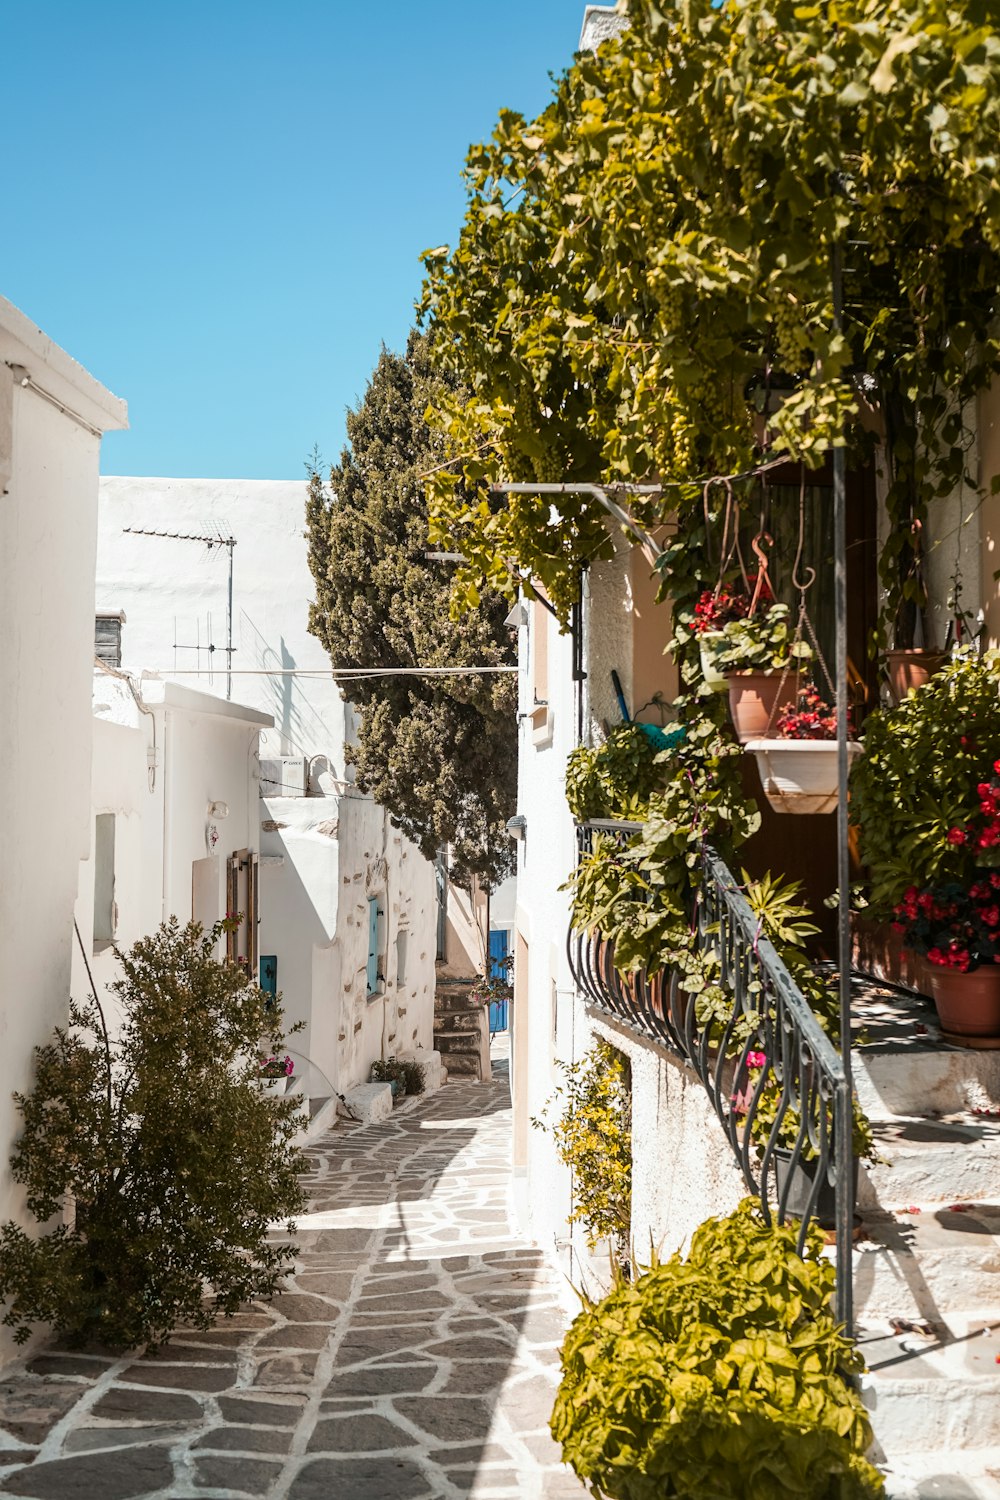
(928, 1264)
(454, 1044)
(464, 1065)
(945, 1476)
(458, 1021)
(937, 1395)
(455, 1004)
(903, 1067)
(932, 1159)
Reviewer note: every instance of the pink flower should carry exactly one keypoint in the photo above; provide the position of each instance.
(956, 836)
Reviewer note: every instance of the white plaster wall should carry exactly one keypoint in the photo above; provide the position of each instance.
(160, 583)
(157, 772)
(547, 1022)
(374, 858)
(608, 628)
(48, 529)
(301, 898)
(683, 1169)
(167, 590)
(503, 902)
(600, 22)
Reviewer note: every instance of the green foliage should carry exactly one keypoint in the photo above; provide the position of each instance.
(593, 1137)
(756, 643)
(918, 779)
(405, 1071)
(641, 896)
(615, 779)
(645, 264)
(438, 752)
(723, 1374)
(766, 1115)
(163, 1141)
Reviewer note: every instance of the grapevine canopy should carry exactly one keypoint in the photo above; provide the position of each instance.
(643, 266)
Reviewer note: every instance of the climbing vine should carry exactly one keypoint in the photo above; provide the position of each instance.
(642, 285)
(593, 1137)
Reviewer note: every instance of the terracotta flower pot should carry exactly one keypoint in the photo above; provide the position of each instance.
(912, 669)
(753, 701)
(968, 1005)
(800, 776)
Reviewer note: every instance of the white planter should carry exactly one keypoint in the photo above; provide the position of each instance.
(274, 1085)
(800, 776)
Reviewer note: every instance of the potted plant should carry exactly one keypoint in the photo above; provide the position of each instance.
(760, 659)
(714, 609)
(915, 796)
(275, 1073)
(910, 668)
(403, 1075)
(955, 926)
(798, 764)
(798, 1171)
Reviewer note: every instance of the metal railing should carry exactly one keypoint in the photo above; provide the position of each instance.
(761, 1055)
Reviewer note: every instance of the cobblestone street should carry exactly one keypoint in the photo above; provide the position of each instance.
(414, 1356)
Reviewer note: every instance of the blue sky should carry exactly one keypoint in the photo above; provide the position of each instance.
(217, 206)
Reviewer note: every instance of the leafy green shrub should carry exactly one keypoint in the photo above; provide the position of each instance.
(640, 896)
(409, 1073)
(593, 1137)
(917, 781)
(722, 1376)
(613, 780)
(162, 1139)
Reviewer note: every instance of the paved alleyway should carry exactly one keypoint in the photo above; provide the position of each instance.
(414, 1358)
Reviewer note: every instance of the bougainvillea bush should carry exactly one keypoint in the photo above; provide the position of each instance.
(955, 926)
(153, 1158)
(723, 1374)
(925, 796)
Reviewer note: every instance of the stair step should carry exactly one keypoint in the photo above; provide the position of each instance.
(463, 1064)
(451, 1046)
(945, 1476)
(928, 1264)
(932, 1158)
(940, 1392)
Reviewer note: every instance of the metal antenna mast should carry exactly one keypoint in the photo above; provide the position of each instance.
(210, 541)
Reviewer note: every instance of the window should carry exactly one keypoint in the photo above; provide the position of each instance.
(105, 910)
(108, 638)
(400, 959)
(375, 974)
(269, 975)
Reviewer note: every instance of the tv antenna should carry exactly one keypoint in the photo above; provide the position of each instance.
(218, 540)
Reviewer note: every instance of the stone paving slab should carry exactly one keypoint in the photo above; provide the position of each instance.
(413, 1356)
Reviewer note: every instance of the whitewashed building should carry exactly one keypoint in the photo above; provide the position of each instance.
(176, 826)
(206, 583)
(52, 417)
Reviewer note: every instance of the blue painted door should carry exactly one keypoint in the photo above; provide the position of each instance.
(499, 942)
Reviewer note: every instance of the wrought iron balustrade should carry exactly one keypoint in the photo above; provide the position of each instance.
(761, 1055)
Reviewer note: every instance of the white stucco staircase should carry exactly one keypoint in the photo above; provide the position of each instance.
(927, 1264)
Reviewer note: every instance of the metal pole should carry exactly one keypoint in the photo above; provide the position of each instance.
(843, 1143)
(229, 624)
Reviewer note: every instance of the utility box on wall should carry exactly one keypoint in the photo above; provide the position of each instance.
(283, 777)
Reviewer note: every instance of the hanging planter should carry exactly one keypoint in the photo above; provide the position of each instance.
(714, 679)
(800, 776)
(911, 669)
